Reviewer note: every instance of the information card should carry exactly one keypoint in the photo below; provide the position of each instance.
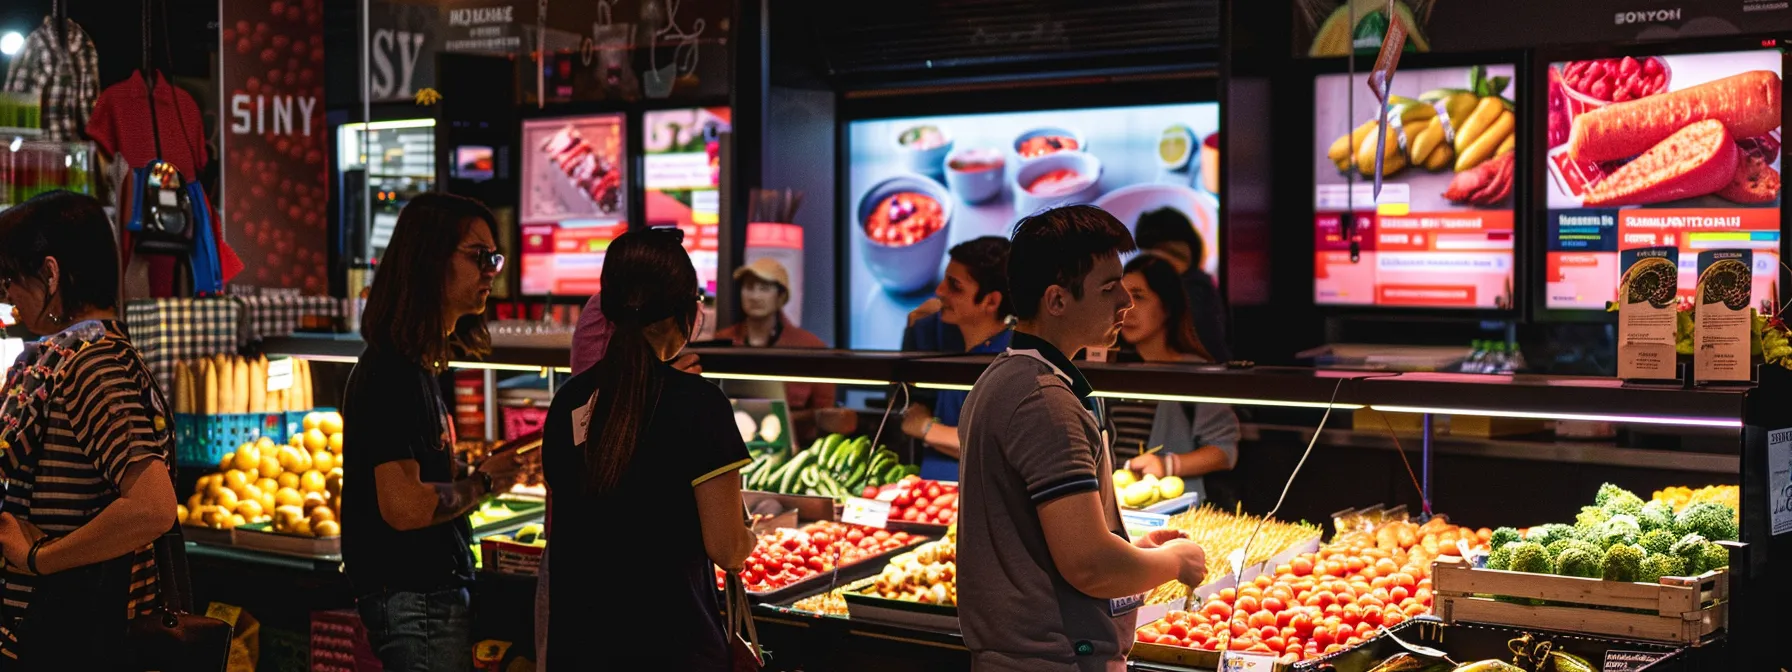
(1646, 314)
(1723, 317)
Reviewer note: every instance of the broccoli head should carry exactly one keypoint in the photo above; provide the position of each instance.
(1580, 559)
(1623, 562)
(1590, 517)
(1503, 536)
(1615, 500)
(1501, 558)
(1659, 565)
(1690, 551)
(1713, 556)
(1710, 520)
(1658, 541)
(1557, 548)
(1619, 529)
(1545, 535)
(1530, 556)
(1657, 515)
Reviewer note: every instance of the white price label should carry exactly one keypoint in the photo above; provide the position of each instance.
(1236, 559)
(867, 512)
(279, 374)
(1144, 520)
(1234, 661)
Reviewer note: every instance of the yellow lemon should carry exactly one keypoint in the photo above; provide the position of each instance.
(180, 513)
(296, 439)
(267, 501)
(322, 460)
(249, 509)
(270, 464)
(322, 514)
(288, 497)
(316, 441)
(331, 423)
(248, 457)
(226, 462)
(289, 479)
(235, 479)
(226, 499)
(312, 481)
(312, 420)
(267, 484)
(264, 443)
(327, 528)
(312, 501)
(237, 520)
(333, 483)
(336, 443)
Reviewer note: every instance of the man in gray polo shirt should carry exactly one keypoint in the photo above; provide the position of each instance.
(1049, 580)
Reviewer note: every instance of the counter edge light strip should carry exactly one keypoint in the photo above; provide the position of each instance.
(491, 366)
(817, 380)
(1192, 399)
(1588, 417)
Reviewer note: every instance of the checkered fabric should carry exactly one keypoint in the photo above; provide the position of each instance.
(66, 80)
(274, 316)
(166, 331)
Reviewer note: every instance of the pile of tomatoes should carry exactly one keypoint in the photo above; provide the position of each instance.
(786, 556)
(917, 500)
(1323, 602)
(1617, 79)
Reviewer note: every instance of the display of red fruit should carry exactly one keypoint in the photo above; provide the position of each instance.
(783, 557)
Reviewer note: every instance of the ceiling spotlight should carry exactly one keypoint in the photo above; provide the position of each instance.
(11, 42)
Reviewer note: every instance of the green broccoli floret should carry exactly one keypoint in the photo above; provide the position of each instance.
(1557, 548)
(1503, 536)
(1690, 551)
(1658, 565)
(1580, 560)
(1590, 518)
(1615, 500)
(1656, 515)
(1710, 520)
(1622, 563)
(1658, 542)
(1529, 556)
(1545, 535)
(1712, 556)
(1619, 529)
(1501, 558)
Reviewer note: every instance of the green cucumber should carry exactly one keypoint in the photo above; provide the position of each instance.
(787, 476)
(808, 475)
(856, 481)
(832, 486)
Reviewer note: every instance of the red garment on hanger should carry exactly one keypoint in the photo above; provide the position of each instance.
(121, 124)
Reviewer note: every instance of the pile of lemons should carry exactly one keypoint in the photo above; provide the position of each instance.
(297, 486)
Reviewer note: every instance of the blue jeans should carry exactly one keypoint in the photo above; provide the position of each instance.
(420, 632)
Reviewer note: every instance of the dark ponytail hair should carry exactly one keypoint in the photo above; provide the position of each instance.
(647, 278)
(1179, 321)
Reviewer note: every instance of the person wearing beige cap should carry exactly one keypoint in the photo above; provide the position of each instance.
(764, 290)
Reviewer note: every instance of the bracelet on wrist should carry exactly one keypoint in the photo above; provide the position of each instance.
(31, 557)
(927, 427)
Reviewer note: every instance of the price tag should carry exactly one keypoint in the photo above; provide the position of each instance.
(279, 374)
(1143, 520)
(1626, 661)
(1236, 559)
(1236, 661)
(867, 512)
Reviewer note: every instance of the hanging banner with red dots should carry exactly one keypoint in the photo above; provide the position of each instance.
(273, 190)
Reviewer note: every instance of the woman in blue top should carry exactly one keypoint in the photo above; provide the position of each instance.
(974, 300)
(1197, 439)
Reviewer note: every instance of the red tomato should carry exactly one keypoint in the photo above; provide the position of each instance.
(1176, 630)
(903, 500)
(880, 535)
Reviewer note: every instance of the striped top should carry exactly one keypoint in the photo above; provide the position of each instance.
(1132, 427)
(102, 414)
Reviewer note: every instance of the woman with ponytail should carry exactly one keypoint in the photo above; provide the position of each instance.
(632, 429)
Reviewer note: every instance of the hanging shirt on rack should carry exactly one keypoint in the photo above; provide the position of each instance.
(122, 125)
(65, 80)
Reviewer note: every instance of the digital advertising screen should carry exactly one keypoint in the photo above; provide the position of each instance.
(574, 201)
(1677, 150)
(683, 171)
(1440, 235)
(918, 186)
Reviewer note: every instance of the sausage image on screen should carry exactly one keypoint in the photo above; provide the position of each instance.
(1748, 104)
(1695, 161)
(1755, 183)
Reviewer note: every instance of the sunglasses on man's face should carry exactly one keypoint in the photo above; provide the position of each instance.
(490, 261)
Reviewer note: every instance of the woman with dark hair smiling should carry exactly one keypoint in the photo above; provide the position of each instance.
(1197, 439)
(405, 535)
(632, 429)
(85, 440)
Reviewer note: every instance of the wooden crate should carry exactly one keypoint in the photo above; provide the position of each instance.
(1681, 610)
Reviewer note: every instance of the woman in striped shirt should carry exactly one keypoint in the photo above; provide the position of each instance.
(84, 446)
(1197, 439)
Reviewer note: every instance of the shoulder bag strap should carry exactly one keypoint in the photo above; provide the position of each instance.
(174, 590)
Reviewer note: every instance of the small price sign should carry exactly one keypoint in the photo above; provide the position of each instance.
(867, 512)
(1235, 661)
(279, 374)
(1625, 661)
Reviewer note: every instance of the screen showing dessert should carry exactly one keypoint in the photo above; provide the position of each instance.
(1679, 150)
(1439, 236)
(919, 186)
(574, 201)
(683, 170)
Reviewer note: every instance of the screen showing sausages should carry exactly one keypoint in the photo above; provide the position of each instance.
(1646, 151)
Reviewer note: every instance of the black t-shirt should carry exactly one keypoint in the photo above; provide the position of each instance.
(393, 410)
(642, 542)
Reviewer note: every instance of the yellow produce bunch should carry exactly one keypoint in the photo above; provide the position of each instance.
(1681, 496)
(1221, 533)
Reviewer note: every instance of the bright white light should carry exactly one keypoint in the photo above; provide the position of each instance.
(11, 42)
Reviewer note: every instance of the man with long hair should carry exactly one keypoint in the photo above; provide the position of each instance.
(405, 536)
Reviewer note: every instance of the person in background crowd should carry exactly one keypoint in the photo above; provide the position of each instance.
(405, 536)
(1049, 580)
(974, 301)
(590, 342)
(1168, 232)
(1197, 439)
(629, 429)
(764, 291)
(926, 332)
(85, 444)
